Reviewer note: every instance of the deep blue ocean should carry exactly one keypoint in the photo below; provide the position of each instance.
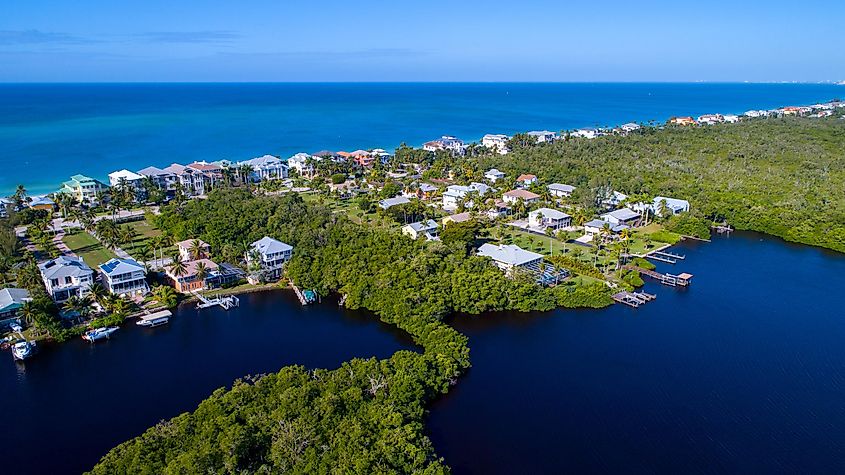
(51, 131)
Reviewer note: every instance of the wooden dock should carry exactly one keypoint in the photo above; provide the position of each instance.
(683, 279)
(656, 257)
(226, 302)
(633, 299)
(670, 255)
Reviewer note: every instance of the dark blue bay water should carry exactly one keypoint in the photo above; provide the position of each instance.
(71, 403)
(744, 372)
(51, 131)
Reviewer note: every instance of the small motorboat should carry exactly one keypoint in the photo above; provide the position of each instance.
(16, 327)
(98, 334)
(23, 349)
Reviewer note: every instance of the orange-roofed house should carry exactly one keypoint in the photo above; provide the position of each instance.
(525, 180)
(188, 280)
(682, 121)
(513, 196)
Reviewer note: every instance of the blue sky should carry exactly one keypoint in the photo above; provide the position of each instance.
(367, 40)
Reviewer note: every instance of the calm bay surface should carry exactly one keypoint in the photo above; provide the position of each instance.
(71, 403)
(744, 372)
(51, 131)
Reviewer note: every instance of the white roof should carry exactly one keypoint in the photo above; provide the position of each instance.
(495, 137)
(549, 213)
(64, 266)
(126, 175)
(510, 254)
(561, 187)
(268, 245)
(623, 214)
(494, 171)
(423, 226)
(263, 160)
(671, 202)
(398, 200)
(540, 132)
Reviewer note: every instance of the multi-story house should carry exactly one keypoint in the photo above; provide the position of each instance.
(65, 277)
(124, 277)
(83, 188)
(270, 254)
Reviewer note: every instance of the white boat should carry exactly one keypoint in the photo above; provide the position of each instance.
(16, 327)
(23, 349)
(98, 334)
(154, 319)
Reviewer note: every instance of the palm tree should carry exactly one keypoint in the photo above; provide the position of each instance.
(144, 253)
(98, 293)
(177, 268)
(201, 272)
(197, 250)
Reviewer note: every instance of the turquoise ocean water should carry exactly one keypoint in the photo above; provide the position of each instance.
(51, 131)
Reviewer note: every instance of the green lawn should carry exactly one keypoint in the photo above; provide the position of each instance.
(144, 232)
(88, 248)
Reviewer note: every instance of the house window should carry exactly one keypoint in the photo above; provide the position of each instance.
(68, 280)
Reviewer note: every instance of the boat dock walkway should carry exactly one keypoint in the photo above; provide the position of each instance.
(633, 299)
(226, 302)
(664, 256)
(306, 297)
(683, 279)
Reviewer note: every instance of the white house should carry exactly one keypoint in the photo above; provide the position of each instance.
(455, 193)
(629, 127)
(426, 229)
(731, 119)
(124, 277)
(525, 180)
(193, 249)
(494, 175)
(303, 164)
(542, 135)
(625, 216)
(614, 199)
(587, 133)
(447, 143)
(509, 257)
(673, 205)
(266, 167)
(395, 201)
(559, 190)
(549, 218)
(497, 142)
(133, 180)
(65, 277)
(164, 179)
(710, 119)
(271, 255)
(513, 196)
(596, 226)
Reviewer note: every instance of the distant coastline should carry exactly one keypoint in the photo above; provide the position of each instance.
(102, 127)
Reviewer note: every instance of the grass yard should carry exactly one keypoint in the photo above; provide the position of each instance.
(88, 248)
(144, 231)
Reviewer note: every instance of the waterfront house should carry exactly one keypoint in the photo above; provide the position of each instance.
(363, 158)
(454, 194)
(189, 280)
(131, 180)
(457, 218)
(624, 216)
(586, 133)
(265, 168)
(66, 276)
(596, 227)
(510, 257)
(513, 196)
(83, 188)
(493, 175)
(549, 218)
(124, 277)
(304, 164)
(559, 190)
(709, 119)
(210, 173)
(270, 254)
(446, 143)
(163, 179)
(391, 202)
(525, 180)
(671, 205)
(190, 179)
(191, 249)
(629, 127)
(790, 110)
(426, 229)
(541, 136)
(496, 142)
(42, 203)
(730, 118)
(682, 121)
(12, 301)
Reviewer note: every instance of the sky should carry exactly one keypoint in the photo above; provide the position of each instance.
(431, 40)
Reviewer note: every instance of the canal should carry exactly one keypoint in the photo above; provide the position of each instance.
(67, 406)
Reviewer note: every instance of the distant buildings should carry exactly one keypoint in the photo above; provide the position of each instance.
(542, 136)
(549, 218)
(513, 196)
(446, 143)
(264, 168)
(586, 133)
(682, 121)
(494, 175)
(65, 277)
(124, 277)
(83, 188)
(559, 190)
(455, 194)
(457, 218)
(426, 229)
(497, 142)
(709, 119)
(629, 127)
(303, 164)
(391, 202)
(525, 180)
